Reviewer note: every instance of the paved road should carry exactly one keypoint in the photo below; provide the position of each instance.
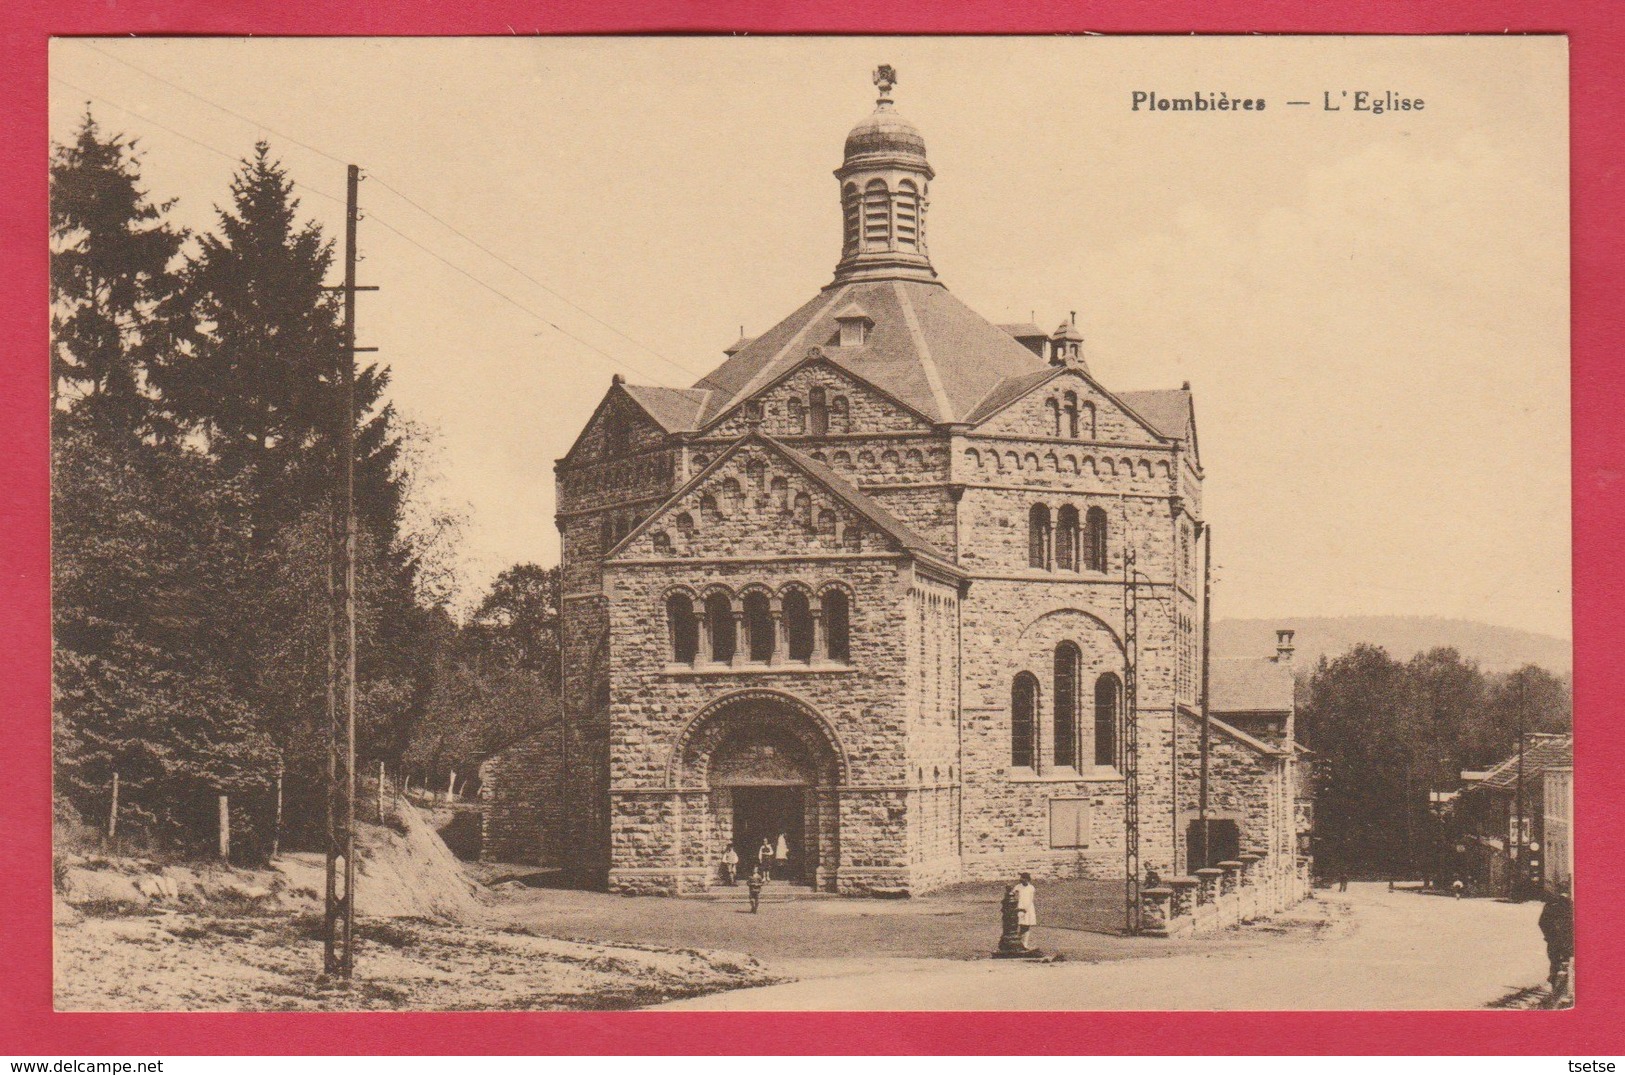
(1371, 949)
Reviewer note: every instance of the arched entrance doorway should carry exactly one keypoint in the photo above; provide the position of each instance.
(770, 767)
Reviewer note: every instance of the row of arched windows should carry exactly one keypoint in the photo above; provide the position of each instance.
(1066, 744)
(1064, 544)
(758, 627)
(1011, 462)
(878, 218)
(820, 415)
(1069, 418)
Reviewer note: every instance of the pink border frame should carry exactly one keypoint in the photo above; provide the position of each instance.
(27, 1024)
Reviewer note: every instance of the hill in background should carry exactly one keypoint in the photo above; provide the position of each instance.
(1496, 649)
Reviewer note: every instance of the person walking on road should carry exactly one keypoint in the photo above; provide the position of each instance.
(730, 866)
(1557, 926)
(754, 886)
(1026, 908)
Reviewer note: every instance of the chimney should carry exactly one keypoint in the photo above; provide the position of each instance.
(1283, 646)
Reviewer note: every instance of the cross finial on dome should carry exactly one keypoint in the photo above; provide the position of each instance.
(885, 79)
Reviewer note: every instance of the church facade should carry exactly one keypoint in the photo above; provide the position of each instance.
(889, 585)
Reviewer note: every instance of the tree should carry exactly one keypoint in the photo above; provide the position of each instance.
(520, 616)
(147, 603)
(111, 251)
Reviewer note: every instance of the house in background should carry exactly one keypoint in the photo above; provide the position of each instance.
(1513, 833)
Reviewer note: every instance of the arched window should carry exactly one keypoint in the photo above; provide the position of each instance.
(796, 415)
(840, 416)
(661, 542)
(876, 214)
(851, 209)
(818, 412)
(908, 212)
(804, 514)
(708, 510)
(780, 495)
(1052, 407)
(1038, 536)
(719, 627)
(1067, 662)
(685, 525)
(732, 497)
(1088, 421)
(1024, 720)
(1066, 538)
(852, 536)
(756, 475)
(1107, 700)
(1094, 540)
(827, 524)
(798, 625)
(837, 625)
(684, 630)
(1071, 409)
(758, 627)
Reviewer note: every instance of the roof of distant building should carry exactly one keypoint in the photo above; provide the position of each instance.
(1540, 752)
(1250, 685)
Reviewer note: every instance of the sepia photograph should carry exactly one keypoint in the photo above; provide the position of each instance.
(751, 523)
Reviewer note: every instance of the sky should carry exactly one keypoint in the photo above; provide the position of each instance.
(1371, 309)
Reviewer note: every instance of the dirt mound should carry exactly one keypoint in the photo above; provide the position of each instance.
(405, 870)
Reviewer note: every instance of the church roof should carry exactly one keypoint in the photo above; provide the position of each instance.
(1231, 731)
(674, 408)
(1250, 685)
(928, 349)
(1168, 409)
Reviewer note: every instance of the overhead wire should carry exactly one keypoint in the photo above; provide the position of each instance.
(381, 181)
(617, 361)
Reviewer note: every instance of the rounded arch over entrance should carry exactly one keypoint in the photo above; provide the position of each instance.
(769, 768)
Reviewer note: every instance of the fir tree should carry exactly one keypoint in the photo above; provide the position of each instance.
(110, 272)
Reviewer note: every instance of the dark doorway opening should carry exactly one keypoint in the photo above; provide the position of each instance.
(766, 813)
(1223, 843)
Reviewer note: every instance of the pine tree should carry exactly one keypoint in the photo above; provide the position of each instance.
(110, 272)
(256, 373)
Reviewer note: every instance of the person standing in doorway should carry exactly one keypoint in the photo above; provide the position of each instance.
(730, 865)
(1026, 909)
(1456, 887)
(754, 886)
(764, 859)
(781, 858)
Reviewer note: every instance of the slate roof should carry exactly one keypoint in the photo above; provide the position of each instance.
(1250, 741)
(1023, 330)
(1009, 390)
(674, 408)
(1167, 409)
(928, 349)
(1540, 752)
(1250, 685)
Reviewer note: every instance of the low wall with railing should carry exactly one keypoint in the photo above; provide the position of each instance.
(1251, 887)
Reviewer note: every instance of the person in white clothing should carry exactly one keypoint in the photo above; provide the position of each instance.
(1026, 908)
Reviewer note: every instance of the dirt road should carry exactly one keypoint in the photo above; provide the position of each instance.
(1384, 950)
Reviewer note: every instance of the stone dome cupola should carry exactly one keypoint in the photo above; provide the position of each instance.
(884, 193)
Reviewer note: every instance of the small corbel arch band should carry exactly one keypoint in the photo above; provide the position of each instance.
(822, 733)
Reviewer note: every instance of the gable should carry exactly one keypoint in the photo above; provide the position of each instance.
(619, 426)
(756, 501)
(1043, 407)
(851, 404)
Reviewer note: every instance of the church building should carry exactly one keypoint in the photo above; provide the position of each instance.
(910, 591)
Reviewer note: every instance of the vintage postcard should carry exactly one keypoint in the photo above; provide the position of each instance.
(909, 523)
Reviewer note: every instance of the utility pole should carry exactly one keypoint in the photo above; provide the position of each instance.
(1207, 650)
(1518, 846)
(1130, 747)
(338, 956)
